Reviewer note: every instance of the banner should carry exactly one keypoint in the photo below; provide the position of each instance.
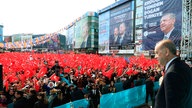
(104, 32)
(82, 34)
(161, 19)
(116, 28)
(121, 26)
(70, 37)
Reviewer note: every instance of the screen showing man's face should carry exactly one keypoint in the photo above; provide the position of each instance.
(166, 24)
(116, 32)
(122, 29)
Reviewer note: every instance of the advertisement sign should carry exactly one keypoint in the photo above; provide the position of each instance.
(116, 29)
(53, 44)
(70, 35)
(104, 32)
(82, 38)
(162, 19)
(121, 26)
(16, 38)
(25, 39)
(8, 39)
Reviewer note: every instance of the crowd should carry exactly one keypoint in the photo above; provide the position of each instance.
(50, 80)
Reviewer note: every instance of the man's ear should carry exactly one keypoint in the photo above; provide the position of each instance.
(167, 52)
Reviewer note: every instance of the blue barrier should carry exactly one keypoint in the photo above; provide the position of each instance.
(83, 103)
(126, 99)
(123, 99)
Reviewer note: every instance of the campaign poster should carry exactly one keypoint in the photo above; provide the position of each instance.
(121, 26)
(53, 44)
(7, 39)
(104, 32)
(82, 38)
(16, 38)
(162, 19)
(71, 37)
(25, 39)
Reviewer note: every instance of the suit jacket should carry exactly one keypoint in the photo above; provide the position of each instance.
(175, 36)
(176, 88)
(126, 40)
(87, 43)
(113, 42)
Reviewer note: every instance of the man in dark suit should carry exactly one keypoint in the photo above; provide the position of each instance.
(176, 88)
(94, 97)
(167, 26)
(85, 36)
(86, 43)
(167, 30)
(124, 38)
(113, 40)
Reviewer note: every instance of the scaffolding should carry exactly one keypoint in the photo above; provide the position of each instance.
(186, 41)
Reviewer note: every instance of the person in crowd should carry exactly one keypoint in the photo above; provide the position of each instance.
(176, 88)
(32, 98)
(20, 101)
(58, 100)
(66, 94)
(127, 82)
(10, 95)
(76, 93)
(138, 81)
(3, 100)
(42, 101)
(112, 88)
(94, 96)
(115, 36)
(167, 26)
(56, 69)
(149, 89)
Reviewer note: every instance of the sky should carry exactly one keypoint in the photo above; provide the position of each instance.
(44, 16)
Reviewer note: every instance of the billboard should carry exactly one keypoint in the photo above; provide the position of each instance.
(71, 37)
(162, 19)
(7, 39)
(25, 40)
(16, 37)
(116, 28)
(104, 32)
(82, 36)
(54, 42)
(121, 26)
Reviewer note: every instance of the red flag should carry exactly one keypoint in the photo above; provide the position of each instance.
(54, 78)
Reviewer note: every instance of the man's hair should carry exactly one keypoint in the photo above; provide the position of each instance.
(20, 93)
(168, 44)
(171, 15)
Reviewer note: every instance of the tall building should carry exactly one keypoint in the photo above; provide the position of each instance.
(82, 34)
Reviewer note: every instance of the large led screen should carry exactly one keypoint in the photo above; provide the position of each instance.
(116, 29)
(162, 19)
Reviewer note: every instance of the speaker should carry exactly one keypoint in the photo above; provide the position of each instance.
(1, 77)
